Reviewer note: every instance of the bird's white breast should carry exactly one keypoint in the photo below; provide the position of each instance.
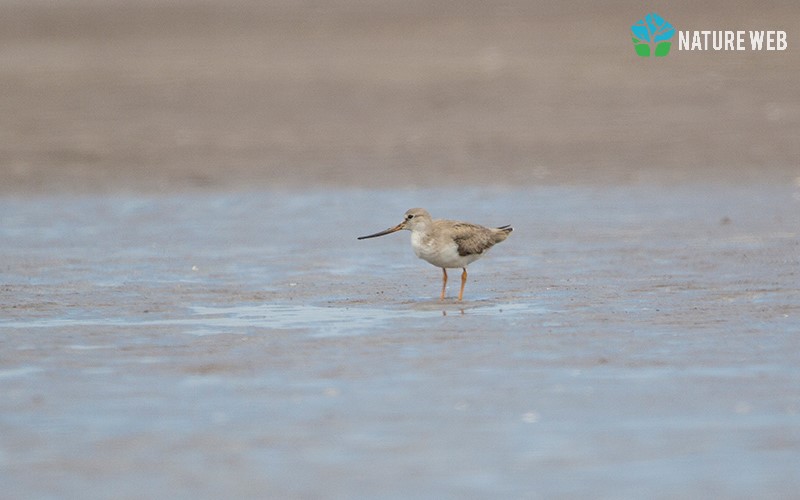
(440, 253)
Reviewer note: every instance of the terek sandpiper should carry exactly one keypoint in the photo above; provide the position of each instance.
(447, 244)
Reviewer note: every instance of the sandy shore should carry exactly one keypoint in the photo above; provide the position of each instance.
(103, 96)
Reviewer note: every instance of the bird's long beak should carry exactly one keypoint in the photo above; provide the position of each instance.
(394, 229)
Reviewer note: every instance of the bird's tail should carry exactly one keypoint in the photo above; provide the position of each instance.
(502, 234)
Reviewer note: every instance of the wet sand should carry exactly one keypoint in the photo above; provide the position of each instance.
(624, 342)
(185, 311)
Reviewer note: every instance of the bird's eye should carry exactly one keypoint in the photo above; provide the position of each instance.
(409, 216)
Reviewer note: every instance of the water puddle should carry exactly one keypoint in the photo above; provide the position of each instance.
(22, 371)
(318, 321)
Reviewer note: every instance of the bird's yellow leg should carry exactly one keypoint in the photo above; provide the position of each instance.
(444, 282)
(463, 282)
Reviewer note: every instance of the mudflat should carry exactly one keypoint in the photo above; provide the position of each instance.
(623, 342)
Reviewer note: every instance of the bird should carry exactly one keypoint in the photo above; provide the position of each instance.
(447, 244)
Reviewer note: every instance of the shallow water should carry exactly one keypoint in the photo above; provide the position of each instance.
(634, 342)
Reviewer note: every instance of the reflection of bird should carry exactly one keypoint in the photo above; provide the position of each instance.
(447, 243)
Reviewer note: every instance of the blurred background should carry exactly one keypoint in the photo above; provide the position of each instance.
(162, 95)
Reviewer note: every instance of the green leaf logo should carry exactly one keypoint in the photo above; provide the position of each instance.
(651, 36)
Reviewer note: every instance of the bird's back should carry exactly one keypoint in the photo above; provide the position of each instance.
(473, 239)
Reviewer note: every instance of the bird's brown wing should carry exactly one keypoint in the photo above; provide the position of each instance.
(472, 239)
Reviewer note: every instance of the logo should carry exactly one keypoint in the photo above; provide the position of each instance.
(651, 36)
